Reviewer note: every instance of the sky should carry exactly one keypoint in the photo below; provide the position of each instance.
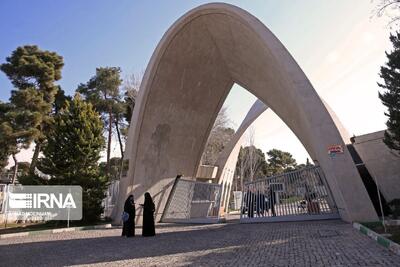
(339, 45)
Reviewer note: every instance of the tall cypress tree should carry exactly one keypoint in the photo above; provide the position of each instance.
(390, 97)
(72, 152)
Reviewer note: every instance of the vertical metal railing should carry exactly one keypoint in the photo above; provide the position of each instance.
(111, 198)
(301, 194)
(193, 201)
(3, 192)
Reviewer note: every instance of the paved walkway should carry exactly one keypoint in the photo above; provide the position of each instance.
(325, 243)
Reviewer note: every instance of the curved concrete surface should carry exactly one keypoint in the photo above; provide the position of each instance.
(227, 159)
(185, 84)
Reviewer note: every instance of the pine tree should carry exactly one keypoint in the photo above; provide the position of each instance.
(390, 73)
(18, 128)
(72, 152)
(4, 147)
(102, 90)
(280, 161)
(33, 72)
(131, 88)
(60, 100)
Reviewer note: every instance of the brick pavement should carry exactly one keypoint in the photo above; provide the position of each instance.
(322, 243)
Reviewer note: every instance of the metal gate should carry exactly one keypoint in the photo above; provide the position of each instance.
(193, 202)
(293, 196)
(3, 192)
(110, 201)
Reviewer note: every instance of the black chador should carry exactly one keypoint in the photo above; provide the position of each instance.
(128, 229)
(148, 216)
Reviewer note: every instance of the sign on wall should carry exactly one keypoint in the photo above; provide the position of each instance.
(335, 149)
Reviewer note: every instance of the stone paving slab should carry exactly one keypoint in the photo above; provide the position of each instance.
(322, 243)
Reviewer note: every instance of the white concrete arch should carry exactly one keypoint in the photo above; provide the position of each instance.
(188, 78)
(228, 157)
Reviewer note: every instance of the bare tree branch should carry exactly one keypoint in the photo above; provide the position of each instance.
(389, 8)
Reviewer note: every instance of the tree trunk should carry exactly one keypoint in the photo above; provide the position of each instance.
(251, 158)
(35, 158)
(119, 138)
(110, 117)
(242, 171)
(241, 176)
(236, 182)
(14, 178)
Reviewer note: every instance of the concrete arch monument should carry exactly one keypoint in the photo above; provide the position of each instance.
(227, 159)
(185, 84)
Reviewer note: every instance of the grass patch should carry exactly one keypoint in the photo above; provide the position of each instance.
(378, 228)
(27, 227)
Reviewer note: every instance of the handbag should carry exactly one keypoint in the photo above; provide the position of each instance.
(125, 216)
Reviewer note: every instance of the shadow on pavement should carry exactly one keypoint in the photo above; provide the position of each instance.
(278, 244)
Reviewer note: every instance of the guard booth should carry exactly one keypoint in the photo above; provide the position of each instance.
(294, 196)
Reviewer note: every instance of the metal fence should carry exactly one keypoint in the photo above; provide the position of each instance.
(193, 201)
(297, 195)
(3, 194)
(7, 177)
(111, 198)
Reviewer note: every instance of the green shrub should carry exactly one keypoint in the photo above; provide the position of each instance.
(395, 207)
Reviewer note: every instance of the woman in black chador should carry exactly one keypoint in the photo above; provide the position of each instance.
(148, 216)
(128, 229)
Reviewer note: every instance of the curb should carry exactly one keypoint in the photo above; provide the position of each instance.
(392, 246)
(392, 222)
(58, 230)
